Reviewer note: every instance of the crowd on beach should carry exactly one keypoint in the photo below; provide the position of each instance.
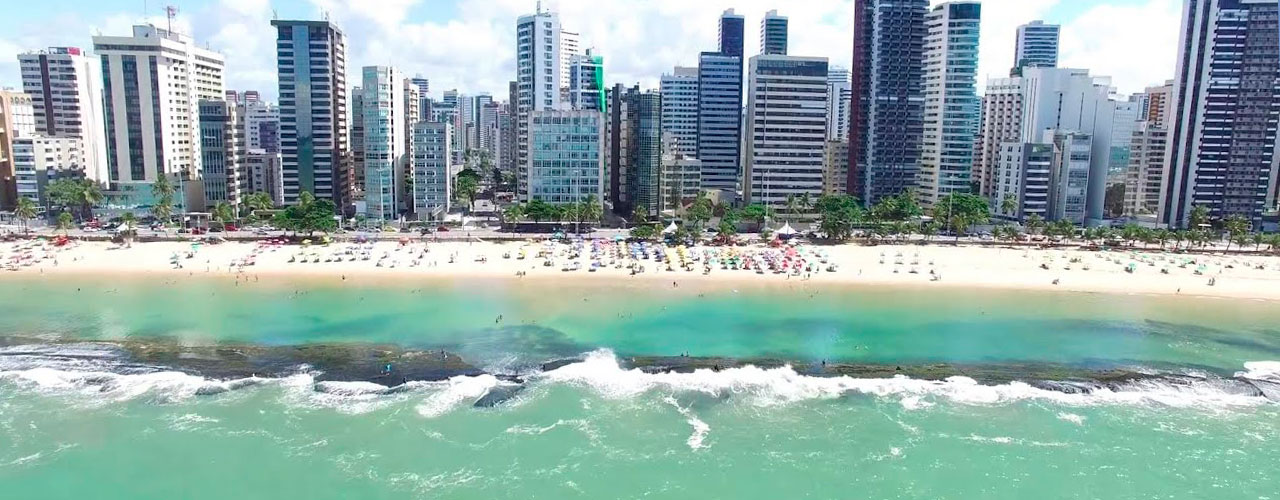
(1076, 269)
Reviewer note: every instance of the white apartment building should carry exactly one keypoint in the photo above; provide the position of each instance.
(839, 92)
(432, 182)
(39, 160)
(680, 109)
(541, 72)
(786, 127)
(154, 81)
(65, 85)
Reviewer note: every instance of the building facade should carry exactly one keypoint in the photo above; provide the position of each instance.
(1145, 175)
(65, 85)
(952, 111)
(634, 150)
(680, 109)
(1036, 46)
(541, 71)
(839, 91)
(222, 152)
(773, 34)
(1022, 174)
(787, 123)
(566, 157)
(263, 175)
(153, 82)
(835, 168)
(887, 108)
(586, 82)
(1222, 138)
(39, 160)
(432, 184)
(384, 119)
(681, 176)
(17, 120)
(720, 107)
(312, 70)
(1002, 108)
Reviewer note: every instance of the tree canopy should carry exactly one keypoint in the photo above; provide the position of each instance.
(838, 214)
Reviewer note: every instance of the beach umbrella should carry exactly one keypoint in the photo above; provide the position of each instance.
(787, 230)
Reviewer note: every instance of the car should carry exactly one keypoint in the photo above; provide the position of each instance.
(231, 227)
(443, 229)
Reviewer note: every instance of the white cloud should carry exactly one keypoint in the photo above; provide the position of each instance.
(1108, 41)
(474, 51)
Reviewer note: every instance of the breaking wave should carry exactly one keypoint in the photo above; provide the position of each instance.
(93, 374)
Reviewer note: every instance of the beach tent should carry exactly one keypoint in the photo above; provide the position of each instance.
(787, 230)
(670, 229)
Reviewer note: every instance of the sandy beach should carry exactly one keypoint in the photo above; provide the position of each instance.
(1128, 272)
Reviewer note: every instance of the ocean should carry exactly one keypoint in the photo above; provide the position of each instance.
(207, 389)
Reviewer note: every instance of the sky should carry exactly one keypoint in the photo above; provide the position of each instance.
(469, 45)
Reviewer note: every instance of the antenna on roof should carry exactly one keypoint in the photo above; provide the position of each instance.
(539, 6)
(170, 12)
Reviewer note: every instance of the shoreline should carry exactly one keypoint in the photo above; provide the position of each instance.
(858, 267)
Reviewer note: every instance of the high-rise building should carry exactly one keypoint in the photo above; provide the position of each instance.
(835, 168)
(1023, 173)
(384, 126)
(566, 157)
(569, 49)
(887, 108)
(787, 127)
(839, 92)
(432, 186)
(952, 111)
(1036, 46)
(412, 115)
(261, 126)
(1024, 110)
(489, 129)
(65, 85)
(773, 34)
(540, 73)
(720, 107)
(17, 119)
(1002, 109)
(1157, 105)
(1222, 137)
(634, 150)
(586, 82)
(312, 67)
(222, 152)
(732, 27)
(1145, 175)
(262, 175)
(153, 82)
(681, 176)
(356, 140)
(680, 109)
(39, 160)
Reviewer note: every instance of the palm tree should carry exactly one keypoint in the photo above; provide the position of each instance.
(639, 216)
(222, 212)
(1236, 226)
(130, 221)
(793, 205)
(65, 223)
(259, 201)
(26, 210)
(1035, 224)
(1009, 204)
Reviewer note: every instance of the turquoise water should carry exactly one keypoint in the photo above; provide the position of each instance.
(84, 429)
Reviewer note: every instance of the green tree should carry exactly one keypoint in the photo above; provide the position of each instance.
(837, 215)
(1009, 204)
(960, 211)
(223, 212)
(1035, 224)
(468, 187)
(259, 202)
(699, 213)
(80, 195)
(793, 206)
(901, 207)
(65, 223)
(639, 216)
(129, 231)
(928, 230)
(757, 214)
(1199, 218)
(308, 216)
(645, 232)
(25, 211)
(1237, 226)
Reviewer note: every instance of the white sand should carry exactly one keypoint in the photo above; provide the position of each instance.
(1235, 276)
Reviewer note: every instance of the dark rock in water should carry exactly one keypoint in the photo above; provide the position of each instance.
(499, 394)
(1269, 390)
(211, 390)
(559, 363)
